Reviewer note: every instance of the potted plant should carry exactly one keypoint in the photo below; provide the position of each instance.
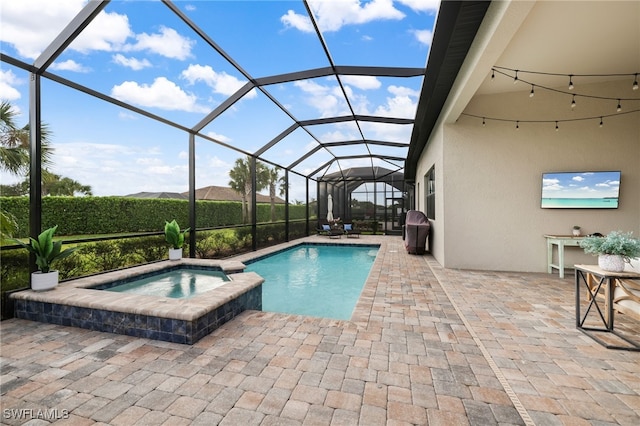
(612, 250)
(46, 251)
(576, 231)
(175, 238)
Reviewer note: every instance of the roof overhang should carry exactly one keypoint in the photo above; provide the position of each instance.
(456, 28)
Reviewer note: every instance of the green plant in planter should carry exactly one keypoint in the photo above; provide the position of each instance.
(173, 235)
(616, 243)
(46, 250)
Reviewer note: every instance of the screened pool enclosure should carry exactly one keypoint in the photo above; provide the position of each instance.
(279, 103)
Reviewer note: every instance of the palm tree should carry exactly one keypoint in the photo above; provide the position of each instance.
(14, 154)
(13, 157)
(64, 186)
(14, 142)
(8, 224)
(272, 178)
(241, 183)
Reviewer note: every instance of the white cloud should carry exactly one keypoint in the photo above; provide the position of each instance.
(219, 137)
(130, 168)
(162, 93)
(126, 115)
(363, 82)
(328, 101)
(167, 43)
(403, 91)
(577, 178)
(423, 36)
(220, 82)
(8, 81)
(133, 63)
(107, 32)
(422, 5)
(30, 25)
(387, 132)
(299, 22)
(69, 65)
(398, 106)
(333, 15)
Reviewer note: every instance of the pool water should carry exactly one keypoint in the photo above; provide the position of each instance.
(316, 280)
(177, 284)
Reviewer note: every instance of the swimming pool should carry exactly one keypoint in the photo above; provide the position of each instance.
(320, 280)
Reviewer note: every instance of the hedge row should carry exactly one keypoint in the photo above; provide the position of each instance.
(113, 215)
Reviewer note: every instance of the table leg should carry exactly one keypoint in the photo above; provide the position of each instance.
(549, 256)
(561, 259)
(608, 297)
(578, 273)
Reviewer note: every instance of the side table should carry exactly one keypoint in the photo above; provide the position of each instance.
(560, 241)
(603, 279)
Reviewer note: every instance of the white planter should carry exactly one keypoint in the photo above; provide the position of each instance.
(576, 232)
(44, 281)
(175, 254)
(611, 262)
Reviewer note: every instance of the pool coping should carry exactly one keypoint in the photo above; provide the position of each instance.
(78, 292)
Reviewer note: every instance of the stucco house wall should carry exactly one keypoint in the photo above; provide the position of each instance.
(489, 179)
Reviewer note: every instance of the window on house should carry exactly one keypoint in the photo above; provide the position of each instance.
(430, 193)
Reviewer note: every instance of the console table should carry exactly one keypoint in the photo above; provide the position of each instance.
(594, 278)
(561, 241)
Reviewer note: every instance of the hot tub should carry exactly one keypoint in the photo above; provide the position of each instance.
(82, 303)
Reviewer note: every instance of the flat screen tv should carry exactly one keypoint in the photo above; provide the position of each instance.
(580, 190)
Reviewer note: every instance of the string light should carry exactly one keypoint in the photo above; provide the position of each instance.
(557, 122)
(516, 78)
(515, 74)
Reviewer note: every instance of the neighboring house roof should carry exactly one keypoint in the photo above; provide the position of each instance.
(176, 195)
(211, 193)
(224, 193)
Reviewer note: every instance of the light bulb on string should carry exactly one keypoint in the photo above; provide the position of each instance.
(531, 94)
(515, 79)
(619, 107)
(557, 128)
(635, 82)
(483, 122)
(493, 74)
(601, 122)
(573, 102)
(570, 81)
(517, 125)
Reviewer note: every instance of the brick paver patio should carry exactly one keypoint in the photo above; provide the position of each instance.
(426, 345)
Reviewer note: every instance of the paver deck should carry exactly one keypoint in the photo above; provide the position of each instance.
(426, 345)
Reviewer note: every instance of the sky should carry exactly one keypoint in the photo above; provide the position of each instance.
(581, 185)
(141, 53)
